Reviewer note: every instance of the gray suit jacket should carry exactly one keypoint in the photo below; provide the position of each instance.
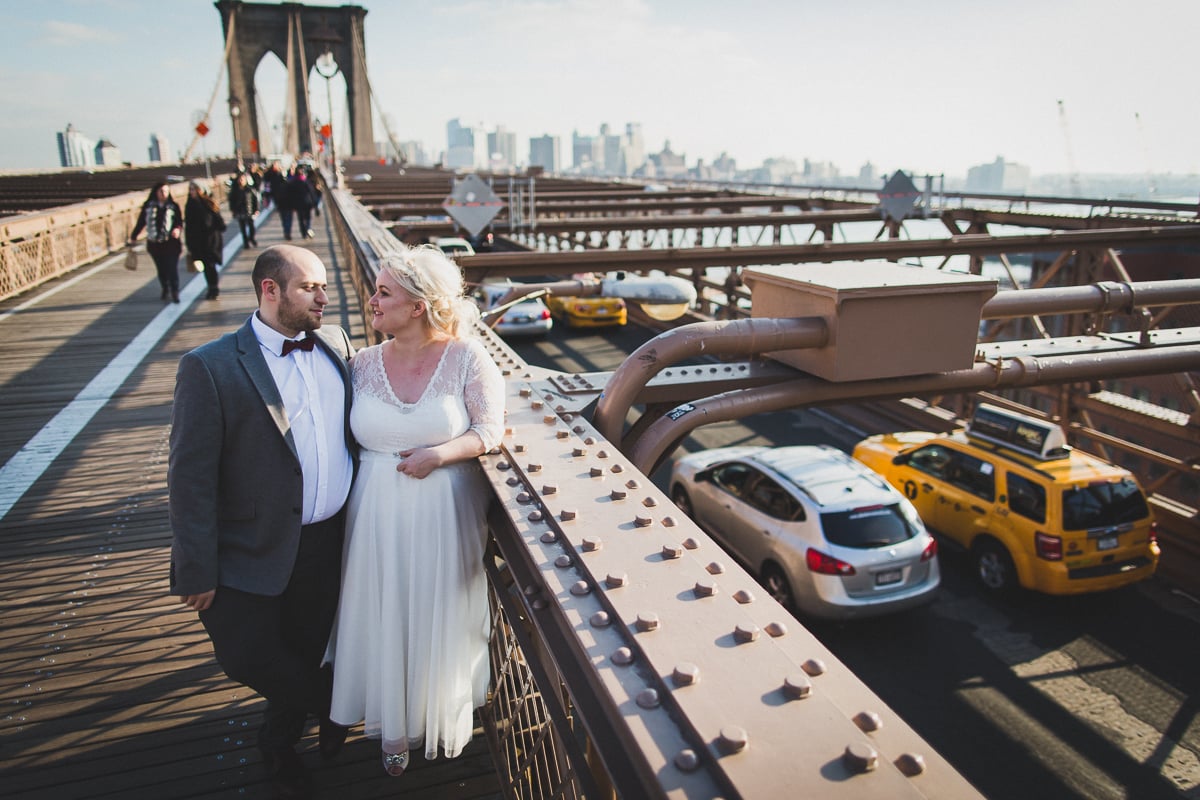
(234, 481)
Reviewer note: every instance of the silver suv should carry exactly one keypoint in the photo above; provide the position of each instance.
(827, 536)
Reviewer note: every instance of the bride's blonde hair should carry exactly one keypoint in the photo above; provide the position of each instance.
(427, 273)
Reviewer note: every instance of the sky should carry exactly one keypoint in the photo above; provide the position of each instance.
(928, 86)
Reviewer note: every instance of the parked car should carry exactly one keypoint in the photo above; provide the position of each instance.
(526, 318)
(588, 312)
(1030, 510)
(826, 536)
(454, 246)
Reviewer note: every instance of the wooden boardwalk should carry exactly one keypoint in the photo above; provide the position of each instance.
(108, 687)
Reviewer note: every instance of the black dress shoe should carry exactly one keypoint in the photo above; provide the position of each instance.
(289, 777)
(331, 737)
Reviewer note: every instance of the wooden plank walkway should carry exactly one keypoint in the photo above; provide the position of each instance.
(108, 688)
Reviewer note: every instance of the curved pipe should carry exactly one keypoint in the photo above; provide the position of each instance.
(660, 437)
(731, 337)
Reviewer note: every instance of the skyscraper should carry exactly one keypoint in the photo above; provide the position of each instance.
(75, 149)
(160, 148)
(544, 153)
(502, 148)
(108, 154)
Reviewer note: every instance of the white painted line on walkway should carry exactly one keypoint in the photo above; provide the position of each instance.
(51, 292)
(28, 464)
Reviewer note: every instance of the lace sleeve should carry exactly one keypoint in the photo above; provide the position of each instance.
(483, 394)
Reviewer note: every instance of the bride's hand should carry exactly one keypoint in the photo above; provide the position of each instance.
(417, 463)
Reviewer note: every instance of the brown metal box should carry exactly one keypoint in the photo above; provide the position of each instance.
(885, 320)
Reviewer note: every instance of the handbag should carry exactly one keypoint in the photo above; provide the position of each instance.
(131, 259)
(195, 264)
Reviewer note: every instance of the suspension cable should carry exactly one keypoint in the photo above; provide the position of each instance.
(220, 74)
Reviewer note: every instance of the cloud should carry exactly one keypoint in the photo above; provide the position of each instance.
(67, 34)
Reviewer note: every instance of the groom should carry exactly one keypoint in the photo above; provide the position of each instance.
(260, 466)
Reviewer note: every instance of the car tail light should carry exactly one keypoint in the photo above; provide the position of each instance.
(930, 551)
(1153, 532)
(545, 314)
(826, 565)
(1048, 547)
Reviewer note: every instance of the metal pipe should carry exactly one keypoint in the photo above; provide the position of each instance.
(658, 438)
(1107, 296)
(701, 338)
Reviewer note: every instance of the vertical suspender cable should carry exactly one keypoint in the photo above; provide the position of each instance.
(220, 73)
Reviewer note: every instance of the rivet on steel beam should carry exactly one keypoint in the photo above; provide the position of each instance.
(704, 589)
(743, 596)
(715, 568)
(650, 502)
(602, 454)
(567, 514)
(549, 419)
(579, 429)
(525, 392)
(530, 591)
(617, 468)
(746, 632)
(549, 537)
(910, 764)
(668, 522)
(535, 516)
(690, 543)
(615, 580)
(549, 488)
(776, 629)
(596, 472)
(632, 484)
(671, 551)
(648, 698)
(734, 739)
(560, 408)
(561, 434)
(532, 467)
(590, 440)
(524, 497)
(622, 656)
(814, 667)
(860, 757)
(563, 561)
(685, 673)
(503, 465)
(513, 480)
(687, 760)
(518, 448)
(868, 721)
(566, 417)
(549, 398)
(643, 522)
(580, 588)
(591, 544)
(509, 431)
(506, 372)
(617, 494)
(579, 451)
(600, 619)
(538, 603)
(536, 404)
(647, 622)
(796, 686)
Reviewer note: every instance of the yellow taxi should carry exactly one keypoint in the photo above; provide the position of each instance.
(588, 312)
(1029, 510)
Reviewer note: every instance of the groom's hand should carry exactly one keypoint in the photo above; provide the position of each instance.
(199, 602)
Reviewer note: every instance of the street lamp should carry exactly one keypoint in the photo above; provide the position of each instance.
(327, 68)
(235, 111)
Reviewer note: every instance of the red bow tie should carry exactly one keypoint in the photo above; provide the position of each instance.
(305, 344)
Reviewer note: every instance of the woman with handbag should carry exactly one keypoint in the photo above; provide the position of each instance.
(162, 220)
(204, 233)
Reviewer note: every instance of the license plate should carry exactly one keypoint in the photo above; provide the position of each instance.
(1106, 543)
(888, 577)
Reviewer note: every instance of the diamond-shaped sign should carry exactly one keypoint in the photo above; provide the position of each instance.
(898, 196)
(472, 204)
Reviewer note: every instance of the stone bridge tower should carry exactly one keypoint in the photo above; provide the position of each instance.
(298, 35)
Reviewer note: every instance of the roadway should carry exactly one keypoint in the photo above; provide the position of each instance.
(1033, 697)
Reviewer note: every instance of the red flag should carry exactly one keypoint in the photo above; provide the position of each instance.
(202, 129)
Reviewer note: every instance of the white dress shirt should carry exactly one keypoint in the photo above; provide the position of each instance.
(314, 396)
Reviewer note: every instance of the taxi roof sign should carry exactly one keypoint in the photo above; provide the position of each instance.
(472, 204)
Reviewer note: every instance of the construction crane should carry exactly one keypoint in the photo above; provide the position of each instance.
(1150, 185)
(1073, 172)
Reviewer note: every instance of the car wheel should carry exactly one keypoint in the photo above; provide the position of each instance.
(680, 497)
(777, 585)
(994, 567)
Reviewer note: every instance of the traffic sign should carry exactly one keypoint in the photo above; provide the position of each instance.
(472, 204)
(899, 196)
(202, 129)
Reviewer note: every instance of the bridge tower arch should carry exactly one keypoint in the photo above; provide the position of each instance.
(298, 35)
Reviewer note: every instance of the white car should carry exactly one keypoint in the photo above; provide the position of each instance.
(526, 318)
(827, 536)
(454, 246)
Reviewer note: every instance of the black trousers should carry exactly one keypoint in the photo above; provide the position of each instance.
(246, 225)
(166, 264)
(275, 645)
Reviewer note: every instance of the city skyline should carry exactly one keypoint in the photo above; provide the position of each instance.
(846, 86)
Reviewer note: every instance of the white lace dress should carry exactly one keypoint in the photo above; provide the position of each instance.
(409, 646)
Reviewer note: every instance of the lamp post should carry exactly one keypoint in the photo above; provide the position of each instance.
(235, 111)
(327, 68)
